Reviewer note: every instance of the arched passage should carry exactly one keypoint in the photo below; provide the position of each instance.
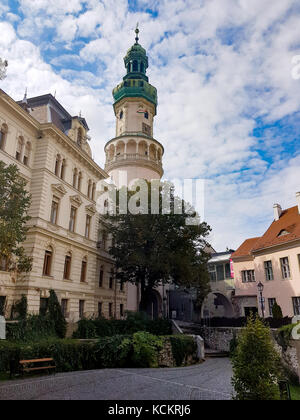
(217, 305)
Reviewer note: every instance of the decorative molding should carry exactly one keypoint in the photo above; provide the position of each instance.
(76, 200)
(58, 189)
(90, 209)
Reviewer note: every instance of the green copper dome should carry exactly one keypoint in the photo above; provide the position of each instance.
(135, 82)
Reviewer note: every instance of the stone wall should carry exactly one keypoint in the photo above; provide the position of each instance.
(219, 338)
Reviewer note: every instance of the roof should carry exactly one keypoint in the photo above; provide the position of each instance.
(246, 248)
(284, 230)
(220, 256)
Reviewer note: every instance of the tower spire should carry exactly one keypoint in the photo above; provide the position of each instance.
(137, 31)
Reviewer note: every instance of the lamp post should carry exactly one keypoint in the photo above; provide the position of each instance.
(3, 65)
(260, 287)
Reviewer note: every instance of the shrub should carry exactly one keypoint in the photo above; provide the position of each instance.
(33, 328)
(276, 311)
(102, 327)
(19, 309)
(283, 335)
(256, 364)
(145, 349)
(182, 347)
(55, 313)
(114, 351)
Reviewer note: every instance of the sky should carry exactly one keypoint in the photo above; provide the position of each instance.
(228, 91)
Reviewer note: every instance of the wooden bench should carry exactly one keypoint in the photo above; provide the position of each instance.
(25, 368)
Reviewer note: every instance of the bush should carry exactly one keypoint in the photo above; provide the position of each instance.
(256, 364)
(182, 347)
(102, 327)
(276, 311)
(19, 309)
(55, 313)
(145, 349)
(33, 328)
(283, 335)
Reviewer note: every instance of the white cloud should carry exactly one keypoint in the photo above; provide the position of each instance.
(218, 65)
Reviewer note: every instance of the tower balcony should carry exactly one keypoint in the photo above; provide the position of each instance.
(134, 159)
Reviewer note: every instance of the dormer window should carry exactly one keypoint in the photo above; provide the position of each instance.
(283, 232)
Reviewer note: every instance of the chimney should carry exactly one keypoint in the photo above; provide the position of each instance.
(278, 211)
(298, 201)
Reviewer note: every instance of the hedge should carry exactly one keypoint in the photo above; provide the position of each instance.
(140, 350)
(33, 328)
(94, 328)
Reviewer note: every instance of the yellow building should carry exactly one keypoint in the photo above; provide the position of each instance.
(69, 249)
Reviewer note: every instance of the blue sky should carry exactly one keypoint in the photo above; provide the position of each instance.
(228, 104)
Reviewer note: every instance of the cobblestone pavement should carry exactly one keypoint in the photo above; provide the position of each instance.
(207, 381)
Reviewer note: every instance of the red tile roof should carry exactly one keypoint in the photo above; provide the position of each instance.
(289, 221)
(245, 249)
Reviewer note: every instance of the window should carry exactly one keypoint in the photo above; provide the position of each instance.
(101, 275)
(121, 286)
(142, 67)
(99, 309)
(104, 239)
(64, 307)
(111, 282)
(296, 305)
(121, 309)
(220, 272)
(93, 191)
(285, 268)
(2, 305)
(269, 270)
(110, 310)
(89, 189)
(271, 302)
(121, 114)
(47, 262)
(19, 149)
(146, 115)
(81, 309)
(212, 273)
(227, 271)
(43, 306)
(88, 226)
(27, 154)
(3, 263)
(83, 271)
(135, 66)
(54, 210)
(248, 276)
(72, 219)
(67, 267)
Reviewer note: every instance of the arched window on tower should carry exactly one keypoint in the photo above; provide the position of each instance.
(121, 114)
(142, 67)
(135, 66)
(146, 115)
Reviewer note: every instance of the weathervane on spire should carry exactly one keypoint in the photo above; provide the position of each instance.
(137, 31)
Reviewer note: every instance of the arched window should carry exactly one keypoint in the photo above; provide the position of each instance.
(79, 181)
(27, 154)
(79, 137)
(3, 134)
(47, 261)
(19, 149)
(63, 169)
(135, 66)
(75, 177)
(57, 165)
(142, 67)
(121, 114)
(146, 115)
(101, 276)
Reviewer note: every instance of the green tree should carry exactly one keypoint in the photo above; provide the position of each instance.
(20, 308)
(256, 363)
(54, 312)
(151, 249)
(14, 205)
(276, 311)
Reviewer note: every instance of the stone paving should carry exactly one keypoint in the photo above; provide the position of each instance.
(207, 381)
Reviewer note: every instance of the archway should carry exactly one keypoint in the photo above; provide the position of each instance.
(217, 305)
(153, 304)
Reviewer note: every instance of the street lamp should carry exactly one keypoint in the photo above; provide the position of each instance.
(260, 287)
(3, 65)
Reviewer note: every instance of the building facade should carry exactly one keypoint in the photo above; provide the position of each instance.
(68, 246)
(274, 261)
